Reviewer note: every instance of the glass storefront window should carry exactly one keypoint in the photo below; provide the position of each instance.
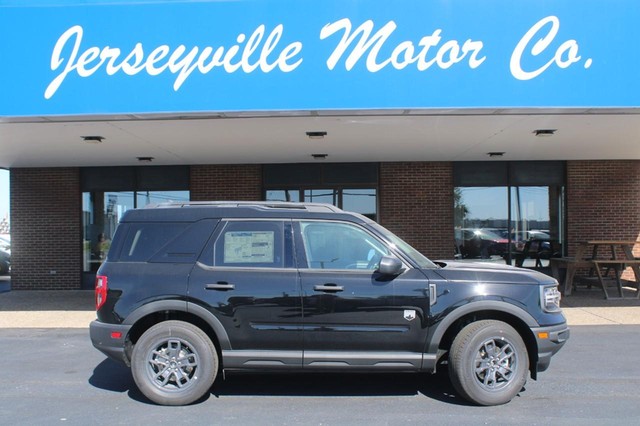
(144, 198)
(327, 196)
(520, 225)
(349, 186)
(481, 223)
(363, 201)
(509, 211)
(101, 212)
(536, 225)
(286, 195)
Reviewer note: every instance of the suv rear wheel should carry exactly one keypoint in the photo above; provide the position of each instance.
(174, 363)
(488, 362)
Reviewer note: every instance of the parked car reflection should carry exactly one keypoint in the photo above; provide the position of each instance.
(480, 243)
(5, 256)
(520, 238)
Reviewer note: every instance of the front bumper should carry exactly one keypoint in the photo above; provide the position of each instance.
(556, 337)
(105, 338)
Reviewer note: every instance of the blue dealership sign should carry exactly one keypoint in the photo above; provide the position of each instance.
(67, 57)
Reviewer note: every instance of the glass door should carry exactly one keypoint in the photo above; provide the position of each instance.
(481, 223)
(536, 226)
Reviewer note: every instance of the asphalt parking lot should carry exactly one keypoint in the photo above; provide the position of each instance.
(59, 378)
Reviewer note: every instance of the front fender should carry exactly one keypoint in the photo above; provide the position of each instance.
(437, 331)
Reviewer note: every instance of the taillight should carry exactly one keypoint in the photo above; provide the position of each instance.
(101, 290)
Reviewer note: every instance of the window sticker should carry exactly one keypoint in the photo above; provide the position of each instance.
(249, 247)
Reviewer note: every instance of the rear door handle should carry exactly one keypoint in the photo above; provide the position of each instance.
(221, 286)
(329, 288)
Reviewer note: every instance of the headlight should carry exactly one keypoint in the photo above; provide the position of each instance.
(550, 298)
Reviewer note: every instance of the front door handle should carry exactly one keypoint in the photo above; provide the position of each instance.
(329, 288)
(220, 286)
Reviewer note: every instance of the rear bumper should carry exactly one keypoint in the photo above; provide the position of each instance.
(557, 336)
(102, 337)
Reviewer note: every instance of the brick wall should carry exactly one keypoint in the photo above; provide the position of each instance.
(233, 182)
(603, 202)
(46, 230)
(416, 203)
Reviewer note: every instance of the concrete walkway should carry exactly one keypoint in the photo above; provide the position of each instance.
(75, 309)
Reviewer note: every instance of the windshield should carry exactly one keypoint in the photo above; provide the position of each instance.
(401, 245)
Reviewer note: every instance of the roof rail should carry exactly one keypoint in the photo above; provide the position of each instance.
(317, 207)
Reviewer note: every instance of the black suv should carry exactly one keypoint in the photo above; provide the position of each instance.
(192, 290)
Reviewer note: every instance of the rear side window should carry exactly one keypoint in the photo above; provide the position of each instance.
(146, 239)
(250, 244)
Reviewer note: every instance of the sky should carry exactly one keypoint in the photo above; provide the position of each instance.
(4, 193)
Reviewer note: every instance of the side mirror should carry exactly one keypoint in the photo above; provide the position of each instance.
(390, 266)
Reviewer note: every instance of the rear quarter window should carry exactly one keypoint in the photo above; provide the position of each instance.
(145, 240)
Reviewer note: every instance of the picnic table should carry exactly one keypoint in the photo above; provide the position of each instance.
(591, 255)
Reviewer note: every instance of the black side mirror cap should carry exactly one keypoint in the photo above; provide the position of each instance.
(390, 266)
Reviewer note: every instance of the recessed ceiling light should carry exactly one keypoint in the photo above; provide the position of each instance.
(145, 159)
(93, 139)
(316, 135)
(495, 154)
(544, 132)
(319, 156)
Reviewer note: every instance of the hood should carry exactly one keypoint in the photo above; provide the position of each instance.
(474, 272)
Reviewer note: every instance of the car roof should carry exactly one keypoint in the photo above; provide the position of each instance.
(197, 210)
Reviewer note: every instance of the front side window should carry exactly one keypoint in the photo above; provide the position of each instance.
(332, 245)
(250, 244)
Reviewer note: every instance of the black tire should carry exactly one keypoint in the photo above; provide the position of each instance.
(174, 363)
(488, 363)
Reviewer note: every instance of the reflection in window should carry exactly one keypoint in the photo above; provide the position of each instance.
(481, 222)
(521, 225)
(101, 213)
(327, 196)
(536, 225)
(360, 200)
(145, 198)
(286, 195)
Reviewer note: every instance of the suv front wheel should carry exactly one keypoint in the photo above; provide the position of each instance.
(488, 362)
(174, 363)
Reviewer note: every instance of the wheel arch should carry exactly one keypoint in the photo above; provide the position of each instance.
(445, 332)
(156, 312)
